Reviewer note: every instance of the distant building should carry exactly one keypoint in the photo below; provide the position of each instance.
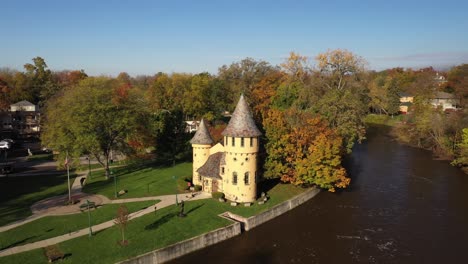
(191, 126)
(24, 119)
(406, 100)
(446, 101)
(230, 167)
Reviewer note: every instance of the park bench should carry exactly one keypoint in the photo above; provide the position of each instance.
(84, 206)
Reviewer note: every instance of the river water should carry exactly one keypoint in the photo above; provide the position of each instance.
(402, 207)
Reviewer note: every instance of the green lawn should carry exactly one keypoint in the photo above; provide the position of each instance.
(140, 182)
(278, 194)
(52, 226)
(154, 231)
(17, 194)
(146, 233)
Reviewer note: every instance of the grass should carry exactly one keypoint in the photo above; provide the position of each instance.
(52, 226)
(41, 157)
(93, 166)
(139, 182)
(144, 234)
(383, 119)
(154, 231)
(19, 193)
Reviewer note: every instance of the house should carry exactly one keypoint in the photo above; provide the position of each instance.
(25, 118)
(191, 126)
(230, 167)
(406, 100)
(445, 101)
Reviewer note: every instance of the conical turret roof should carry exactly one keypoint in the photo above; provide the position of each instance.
(241, 123)
(202, 136)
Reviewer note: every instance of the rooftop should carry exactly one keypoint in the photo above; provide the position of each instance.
(202, 136)
(211, 167)
(242, 123)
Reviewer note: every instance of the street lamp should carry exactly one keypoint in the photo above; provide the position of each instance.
(89, 166)
(176, 199)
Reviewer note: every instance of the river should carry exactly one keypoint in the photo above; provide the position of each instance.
(402, 207)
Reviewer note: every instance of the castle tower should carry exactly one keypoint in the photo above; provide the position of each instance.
(241, 144)
(201, 144)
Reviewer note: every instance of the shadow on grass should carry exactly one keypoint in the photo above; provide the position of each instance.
(160, 221)
(194, 208)
(268, 184)
(17, 243)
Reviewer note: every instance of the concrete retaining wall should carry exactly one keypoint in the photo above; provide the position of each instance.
(253, 221)
(186, 246)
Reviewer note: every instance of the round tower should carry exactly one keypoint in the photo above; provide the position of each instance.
(241, 144)
(201, 144)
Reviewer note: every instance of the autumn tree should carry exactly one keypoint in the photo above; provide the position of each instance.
(341, 76)
(303, 150)
(241, 77)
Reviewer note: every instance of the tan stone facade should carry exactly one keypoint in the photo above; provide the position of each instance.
(230, 167)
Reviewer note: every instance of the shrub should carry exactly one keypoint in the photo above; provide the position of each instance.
(217, 195)
(53, 253)
(198, 188)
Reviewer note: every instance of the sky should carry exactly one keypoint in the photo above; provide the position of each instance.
(146, 37)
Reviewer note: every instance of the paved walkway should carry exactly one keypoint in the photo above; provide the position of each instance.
(55, 206)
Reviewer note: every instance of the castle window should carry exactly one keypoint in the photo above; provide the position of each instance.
(233, 142)
(199, 178)
(242, 142)
(251, 141)
(222, 170)
(246, 178)
(234, 178)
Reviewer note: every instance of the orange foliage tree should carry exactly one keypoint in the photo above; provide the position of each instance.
(303, 150)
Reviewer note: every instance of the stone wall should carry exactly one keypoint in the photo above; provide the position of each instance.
(253, 221)
(184, 247)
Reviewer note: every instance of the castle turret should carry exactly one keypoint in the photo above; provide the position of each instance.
(241, 144)
(201, 144)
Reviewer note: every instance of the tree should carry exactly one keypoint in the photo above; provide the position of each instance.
(303, 150)
(122, 221)
(342, 77)
(462, 150)
(241, 77)
(95, 116)
(42, 84)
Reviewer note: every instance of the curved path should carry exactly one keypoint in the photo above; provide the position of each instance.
(54, 206)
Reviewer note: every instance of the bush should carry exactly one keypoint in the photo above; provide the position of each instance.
(217, 195)
(198, 188)
(53, 253)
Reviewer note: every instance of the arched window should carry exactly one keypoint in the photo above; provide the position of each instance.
(242, 142)
(233, 142)
(234, 178)
(246, 178)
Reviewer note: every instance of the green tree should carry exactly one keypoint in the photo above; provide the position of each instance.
(96, 116)
(462, 150)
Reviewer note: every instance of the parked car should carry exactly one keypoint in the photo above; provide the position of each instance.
(5, 144)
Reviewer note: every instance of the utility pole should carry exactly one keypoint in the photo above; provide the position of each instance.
(68, 177)
(89, 220)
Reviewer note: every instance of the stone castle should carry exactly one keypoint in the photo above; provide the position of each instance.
(230, 167)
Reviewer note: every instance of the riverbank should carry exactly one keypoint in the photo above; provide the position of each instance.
(216, 236)
(401, 207)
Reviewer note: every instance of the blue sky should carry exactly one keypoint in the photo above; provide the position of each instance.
(145, 37)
